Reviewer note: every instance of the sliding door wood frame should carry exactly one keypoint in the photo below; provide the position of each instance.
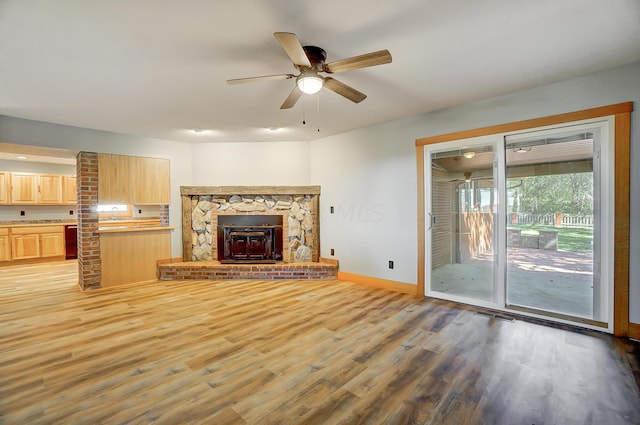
(622, 123)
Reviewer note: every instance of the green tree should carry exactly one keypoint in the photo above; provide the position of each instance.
(565, 193)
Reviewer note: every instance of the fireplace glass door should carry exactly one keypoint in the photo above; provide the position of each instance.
(252, 239)
(246, 243)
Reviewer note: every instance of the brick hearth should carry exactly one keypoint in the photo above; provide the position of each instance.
(213, 270)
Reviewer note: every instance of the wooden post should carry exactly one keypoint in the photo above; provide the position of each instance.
(187, 246)
(315, 251)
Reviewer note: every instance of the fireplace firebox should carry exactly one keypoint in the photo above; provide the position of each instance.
(249, 238)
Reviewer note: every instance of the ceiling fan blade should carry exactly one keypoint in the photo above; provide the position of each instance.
(344, 90)
(292, 98)
(264, 78)
(290, 43)
(369, 59)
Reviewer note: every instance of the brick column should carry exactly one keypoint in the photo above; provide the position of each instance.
(89, 266)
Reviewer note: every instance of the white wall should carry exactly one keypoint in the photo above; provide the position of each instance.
(251, 164)
(35, 133)
(369, 177)
(374, 169)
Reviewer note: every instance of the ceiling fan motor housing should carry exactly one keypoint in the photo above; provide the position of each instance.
(317, 56)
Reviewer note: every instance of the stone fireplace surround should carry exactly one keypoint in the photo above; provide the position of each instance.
(298, 206)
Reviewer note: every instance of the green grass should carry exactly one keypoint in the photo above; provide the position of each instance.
(569, 238)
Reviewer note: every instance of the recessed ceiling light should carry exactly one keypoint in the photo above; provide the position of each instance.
(201, 132)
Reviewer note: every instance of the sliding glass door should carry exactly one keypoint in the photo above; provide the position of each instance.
(515, 222)
(552, 216)
(463, 213)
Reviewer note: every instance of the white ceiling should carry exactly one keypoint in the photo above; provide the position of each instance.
(158, 68)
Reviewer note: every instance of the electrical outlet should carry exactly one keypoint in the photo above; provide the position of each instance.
(22, 213)
(332, 252)
(331, 209)
(391, 264)
(70, 212)
(139, 211)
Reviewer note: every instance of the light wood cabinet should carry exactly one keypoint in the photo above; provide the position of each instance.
(25, 246)
(5, 245)
(37, 242)
(18, 188)
(49, 189)
(24, 188)
(5, 187)
(151, 184)
(115, 179)
(52, 244)
(133, 180)
(69, 190)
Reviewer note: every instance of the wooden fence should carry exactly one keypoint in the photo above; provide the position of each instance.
(557, 219)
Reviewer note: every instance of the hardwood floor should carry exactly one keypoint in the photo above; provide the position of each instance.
(291, 352)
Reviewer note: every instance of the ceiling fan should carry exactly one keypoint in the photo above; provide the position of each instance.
(310, 61)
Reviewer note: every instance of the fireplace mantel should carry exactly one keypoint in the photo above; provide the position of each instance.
(249, 190)
(298, 205)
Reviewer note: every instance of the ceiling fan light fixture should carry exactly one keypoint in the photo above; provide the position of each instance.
(522, 149)
(469, 154)
(309, 82)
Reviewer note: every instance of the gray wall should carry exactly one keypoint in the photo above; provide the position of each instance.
(37, 167)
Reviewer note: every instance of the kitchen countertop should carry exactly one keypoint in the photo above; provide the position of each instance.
(130, 229)
(5, 223)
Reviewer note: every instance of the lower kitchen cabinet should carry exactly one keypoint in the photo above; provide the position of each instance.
(36, 242)
(52, 244)
(5, 245)
(25, 246)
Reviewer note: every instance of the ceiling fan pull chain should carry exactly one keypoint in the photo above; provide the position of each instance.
(304, 121)
(318, 110)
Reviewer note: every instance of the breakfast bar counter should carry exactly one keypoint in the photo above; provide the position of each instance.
(130, 254)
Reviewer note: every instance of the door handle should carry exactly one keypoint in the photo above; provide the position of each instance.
(432, 220)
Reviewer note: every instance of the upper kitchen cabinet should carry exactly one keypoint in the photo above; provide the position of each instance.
(18, 188)
(151, 184)
(49, 189)
(133, 180)
(115, 179)
(69, 191)
(24, 188)
(5, 187)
